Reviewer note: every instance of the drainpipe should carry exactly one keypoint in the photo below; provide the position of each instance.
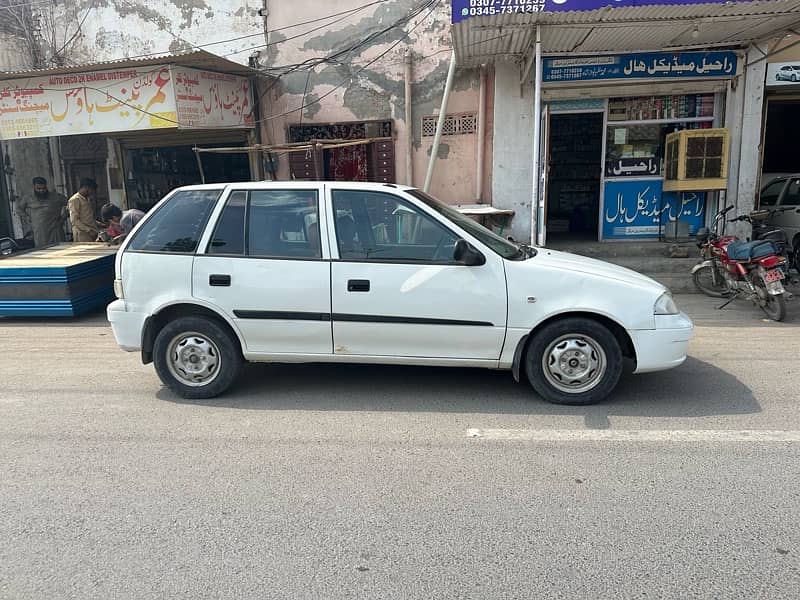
(481, 136)
(440, 123)
(409, 120)
(537, 226)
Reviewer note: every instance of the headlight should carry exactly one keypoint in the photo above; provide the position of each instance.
(665, 305)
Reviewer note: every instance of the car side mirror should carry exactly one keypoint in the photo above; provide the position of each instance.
(466, 254)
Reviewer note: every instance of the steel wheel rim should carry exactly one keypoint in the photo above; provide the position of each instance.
(574, 363)
(193, 359)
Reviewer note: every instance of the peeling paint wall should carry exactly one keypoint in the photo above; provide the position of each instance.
(352, 89)
(127, 28)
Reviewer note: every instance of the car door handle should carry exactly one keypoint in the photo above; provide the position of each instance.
(358, 285)
(219, 280)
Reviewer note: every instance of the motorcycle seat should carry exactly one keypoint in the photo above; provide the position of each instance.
(746, 251)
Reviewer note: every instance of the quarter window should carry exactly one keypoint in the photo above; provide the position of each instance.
(178, 224)
(283, 224)
(377, 226)
(770, 194)
(792, 196)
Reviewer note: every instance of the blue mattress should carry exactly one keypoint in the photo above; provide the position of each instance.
(66, 280)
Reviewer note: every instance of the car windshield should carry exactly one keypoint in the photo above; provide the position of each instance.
(501, 246)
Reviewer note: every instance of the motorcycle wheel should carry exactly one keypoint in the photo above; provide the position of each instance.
(775, 306)
(711, 282)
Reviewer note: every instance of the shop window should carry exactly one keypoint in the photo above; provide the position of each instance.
(375, 226)
(283, 224)
(780, 137)
(178, 224)
(229, 234)
(453, 125)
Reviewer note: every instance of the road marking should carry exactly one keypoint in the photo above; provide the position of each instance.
(612, 435)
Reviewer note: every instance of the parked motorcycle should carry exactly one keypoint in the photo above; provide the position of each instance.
(759, 220)
(735, 269)
(9, 246)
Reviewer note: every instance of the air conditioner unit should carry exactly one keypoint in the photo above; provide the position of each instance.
(697, 160)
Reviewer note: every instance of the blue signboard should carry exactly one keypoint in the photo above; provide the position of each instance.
(643, 65)
(467, 9)
(639, 209)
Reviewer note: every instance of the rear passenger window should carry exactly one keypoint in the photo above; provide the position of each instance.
(283, 224)
(792, 196)
(229, 234)
(177, 225)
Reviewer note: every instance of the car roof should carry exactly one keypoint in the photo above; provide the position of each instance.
(289, 185)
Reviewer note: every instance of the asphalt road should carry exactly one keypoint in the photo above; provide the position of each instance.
(374, 482)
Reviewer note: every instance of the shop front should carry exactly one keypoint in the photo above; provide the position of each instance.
(604, 157)
(133, 126)
(587, 93)
(781, 117)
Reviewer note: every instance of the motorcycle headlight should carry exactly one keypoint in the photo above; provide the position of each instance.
(665, 305)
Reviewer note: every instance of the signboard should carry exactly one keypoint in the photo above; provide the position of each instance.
(633, 167)
(99, 102)
(135, 99)
(783, 74)
(467, 9)
(645, 65)
(208, 99)
(638, 209)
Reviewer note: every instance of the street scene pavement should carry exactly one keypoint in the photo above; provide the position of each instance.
(386, 482)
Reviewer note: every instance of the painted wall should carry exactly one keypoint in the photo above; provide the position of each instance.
(351, 89)
(512, 167)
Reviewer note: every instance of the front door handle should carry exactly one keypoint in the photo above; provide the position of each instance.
(358, 285)
(219, 280)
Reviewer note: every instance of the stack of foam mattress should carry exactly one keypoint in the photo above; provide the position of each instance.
(60, 281)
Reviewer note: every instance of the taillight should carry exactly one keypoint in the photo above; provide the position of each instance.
(118, 291)
(770, 262)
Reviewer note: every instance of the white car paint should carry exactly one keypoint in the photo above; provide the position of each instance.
(503, 300)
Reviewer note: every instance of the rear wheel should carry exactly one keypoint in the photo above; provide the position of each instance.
(196, 357)
(574, 361)
(709, 280)
(773, 306)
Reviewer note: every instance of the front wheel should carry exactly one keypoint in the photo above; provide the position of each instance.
(710, 281)
(574, 361)
(196, 357)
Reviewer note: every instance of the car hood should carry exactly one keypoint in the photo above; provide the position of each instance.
(564, 261)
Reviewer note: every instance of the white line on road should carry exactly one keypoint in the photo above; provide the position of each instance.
(611, 435)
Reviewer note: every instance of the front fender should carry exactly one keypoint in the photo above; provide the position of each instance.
(702, 265)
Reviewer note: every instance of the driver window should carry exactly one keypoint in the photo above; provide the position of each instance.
(378, 226)
(769, 195)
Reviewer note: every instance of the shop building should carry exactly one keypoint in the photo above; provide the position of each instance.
(782, 111)
(134, 125)
(586, 94)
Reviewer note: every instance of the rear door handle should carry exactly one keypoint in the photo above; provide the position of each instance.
(358, 285)
(219, 280)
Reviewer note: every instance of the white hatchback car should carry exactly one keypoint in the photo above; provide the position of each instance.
(217, 275)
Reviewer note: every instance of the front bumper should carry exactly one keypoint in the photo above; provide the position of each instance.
(127, 326)
(664, 347)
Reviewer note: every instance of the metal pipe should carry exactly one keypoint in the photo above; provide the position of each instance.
(537, 227)
(481, 136)
(440, 122)
(409, 120)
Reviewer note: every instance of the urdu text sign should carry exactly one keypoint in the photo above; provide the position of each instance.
(646, 65)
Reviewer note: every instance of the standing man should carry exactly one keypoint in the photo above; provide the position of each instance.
(81, 212)
(47, 211)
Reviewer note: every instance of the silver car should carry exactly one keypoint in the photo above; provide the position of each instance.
(783, 194)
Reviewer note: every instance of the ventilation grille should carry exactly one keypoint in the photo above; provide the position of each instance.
(465, 124)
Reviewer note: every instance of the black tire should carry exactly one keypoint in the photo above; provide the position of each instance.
(550, 341)
(775, 307)
(218, 347)
(711, 282)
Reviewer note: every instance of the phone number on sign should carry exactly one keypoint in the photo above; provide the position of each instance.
(501, 7)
